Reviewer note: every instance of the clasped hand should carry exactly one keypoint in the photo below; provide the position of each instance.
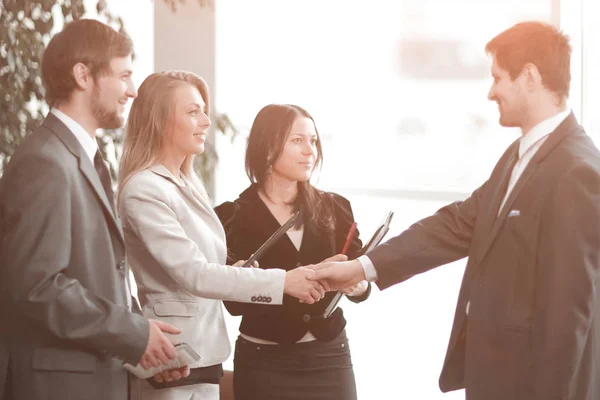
(335, 274)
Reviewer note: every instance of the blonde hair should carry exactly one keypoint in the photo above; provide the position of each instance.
(146, 128)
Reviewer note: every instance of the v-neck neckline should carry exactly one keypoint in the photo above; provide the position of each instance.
(277, 225)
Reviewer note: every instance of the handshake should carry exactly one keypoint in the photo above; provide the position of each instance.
(309, 283)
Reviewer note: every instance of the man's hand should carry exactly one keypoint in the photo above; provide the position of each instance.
(159, 349)
(172, 374)
(357, 289)
(338, 275)
(297, 284)
(337, 257)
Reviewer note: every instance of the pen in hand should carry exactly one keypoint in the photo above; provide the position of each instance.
(349, 238)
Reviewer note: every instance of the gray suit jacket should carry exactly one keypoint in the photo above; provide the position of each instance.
(532, 278)
(65, 319)
(176, 249)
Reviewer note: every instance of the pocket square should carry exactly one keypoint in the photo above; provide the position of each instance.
(514, 213)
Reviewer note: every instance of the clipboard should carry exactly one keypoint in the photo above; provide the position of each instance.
(274, 238)
(377, 237)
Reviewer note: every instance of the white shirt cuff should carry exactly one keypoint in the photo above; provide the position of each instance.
(368, 267)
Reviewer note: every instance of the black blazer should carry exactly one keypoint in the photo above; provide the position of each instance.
(248, 223)
(532, 278)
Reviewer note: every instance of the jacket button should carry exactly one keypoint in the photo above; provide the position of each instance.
(121, 265)
(269, 299)
(306, 318)
(253, 299)
(260, 299)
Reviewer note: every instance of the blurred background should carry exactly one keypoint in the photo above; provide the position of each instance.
(398, 90)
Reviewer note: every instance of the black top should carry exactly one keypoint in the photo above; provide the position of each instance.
(248, 223)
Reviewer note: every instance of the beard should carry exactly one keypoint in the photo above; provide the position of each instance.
(511, 115)
(106, 119)
(510, 120)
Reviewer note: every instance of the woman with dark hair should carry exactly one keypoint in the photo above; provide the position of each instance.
(289, 351)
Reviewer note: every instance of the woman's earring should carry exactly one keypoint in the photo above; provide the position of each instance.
(269, 169)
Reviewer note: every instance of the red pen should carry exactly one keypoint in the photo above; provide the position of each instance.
(349, 238)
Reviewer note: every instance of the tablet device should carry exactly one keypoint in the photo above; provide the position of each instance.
(373, 242)
(274, 238)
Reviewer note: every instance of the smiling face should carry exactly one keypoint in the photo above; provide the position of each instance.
(110, 93)
(510, 96)
(188, 123)
(297, 159)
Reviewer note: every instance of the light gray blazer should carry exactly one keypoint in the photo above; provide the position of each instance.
(176, 249)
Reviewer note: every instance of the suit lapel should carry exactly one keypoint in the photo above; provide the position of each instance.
(85, 167)
(194, 196)
(498, 219)
(499, 187)
(554, 139)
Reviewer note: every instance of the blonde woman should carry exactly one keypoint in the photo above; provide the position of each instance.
(175, 242)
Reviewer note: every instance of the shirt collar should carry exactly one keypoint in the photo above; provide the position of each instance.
(541, 130)
(83, 137)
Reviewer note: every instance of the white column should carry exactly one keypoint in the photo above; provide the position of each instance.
(185, 40)
(591, 68)
(571, 24)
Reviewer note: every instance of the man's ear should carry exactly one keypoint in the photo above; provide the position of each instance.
(82, 75)
(533, 79)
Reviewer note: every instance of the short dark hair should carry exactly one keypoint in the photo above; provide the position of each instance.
(84, 41)
(540, 44)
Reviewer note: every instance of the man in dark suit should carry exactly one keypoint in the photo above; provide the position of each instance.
(527, 322)
(67, 323)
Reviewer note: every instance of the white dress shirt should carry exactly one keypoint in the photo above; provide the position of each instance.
(528, 146)
(83, 137)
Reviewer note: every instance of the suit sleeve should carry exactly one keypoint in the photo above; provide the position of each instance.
(436, 240)
(150, 216)
(36, 254)
(568, 272)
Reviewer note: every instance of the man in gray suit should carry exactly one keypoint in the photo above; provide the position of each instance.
(527, 322)
(66, 310)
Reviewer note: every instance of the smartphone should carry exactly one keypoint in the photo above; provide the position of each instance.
(185, 355)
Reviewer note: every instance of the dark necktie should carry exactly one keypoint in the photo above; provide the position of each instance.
(104, 175)
(501, 190)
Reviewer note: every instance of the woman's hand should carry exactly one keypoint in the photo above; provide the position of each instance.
(241, 262)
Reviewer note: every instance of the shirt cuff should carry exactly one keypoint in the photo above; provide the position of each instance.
(368, 267)
(360, 288)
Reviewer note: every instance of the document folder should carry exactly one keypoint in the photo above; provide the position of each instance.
(274, 238)
(373, 242)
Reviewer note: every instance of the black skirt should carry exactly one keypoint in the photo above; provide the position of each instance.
(302, 371)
